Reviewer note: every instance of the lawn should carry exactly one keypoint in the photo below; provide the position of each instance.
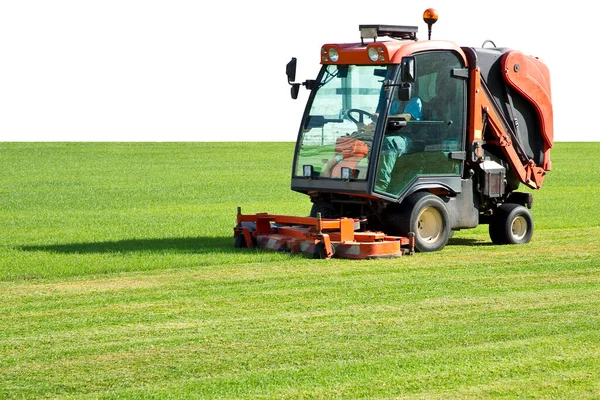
(119, 279)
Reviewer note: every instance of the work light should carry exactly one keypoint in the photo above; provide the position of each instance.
(346, 173)
(307, 171)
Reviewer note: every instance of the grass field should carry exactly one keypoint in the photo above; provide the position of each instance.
(118, 279)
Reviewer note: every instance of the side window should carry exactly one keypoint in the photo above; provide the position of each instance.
(442, 95)
(422, 148)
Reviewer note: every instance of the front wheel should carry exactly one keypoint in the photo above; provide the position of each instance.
(324, 207)
(427, 217)
(511, 224)
(320, 252)
(239, 241)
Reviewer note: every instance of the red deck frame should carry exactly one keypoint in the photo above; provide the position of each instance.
(319, 237)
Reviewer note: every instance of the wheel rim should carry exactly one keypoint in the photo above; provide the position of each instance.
(519, 227)
(429, 225)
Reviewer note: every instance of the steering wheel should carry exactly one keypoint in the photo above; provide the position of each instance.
(361, 115)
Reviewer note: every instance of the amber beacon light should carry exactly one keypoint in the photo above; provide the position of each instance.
(430, 16)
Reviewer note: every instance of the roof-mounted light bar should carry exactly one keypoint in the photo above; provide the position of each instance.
(393, 31)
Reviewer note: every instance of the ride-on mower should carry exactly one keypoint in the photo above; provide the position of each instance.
(404, 141)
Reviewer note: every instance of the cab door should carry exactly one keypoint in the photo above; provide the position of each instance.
(430, 148)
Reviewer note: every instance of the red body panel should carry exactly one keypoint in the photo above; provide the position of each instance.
(530, 77)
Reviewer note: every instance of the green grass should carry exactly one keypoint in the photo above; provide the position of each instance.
(118, 279)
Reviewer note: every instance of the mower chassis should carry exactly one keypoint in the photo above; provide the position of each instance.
(317, 237)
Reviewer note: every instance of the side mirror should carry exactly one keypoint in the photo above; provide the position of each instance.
(407, 69)
(405, 91)
(290, 70)
(294, 90)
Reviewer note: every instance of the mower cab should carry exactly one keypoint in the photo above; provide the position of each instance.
(381, 120)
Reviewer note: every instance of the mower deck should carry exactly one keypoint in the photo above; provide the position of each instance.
(317, 237)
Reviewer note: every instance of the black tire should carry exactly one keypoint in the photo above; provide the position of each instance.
(324, 207)
(427, 217)
(319, 251)
(496, 229)
(240, 241)
(511, 224)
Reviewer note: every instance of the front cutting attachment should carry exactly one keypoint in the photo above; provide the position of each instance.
(317, 237)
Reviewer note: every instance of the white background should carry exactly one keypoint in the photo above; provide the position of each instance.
(174, 70)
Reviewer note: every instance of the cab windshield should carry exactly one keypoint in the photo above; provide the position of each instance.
(336, 134)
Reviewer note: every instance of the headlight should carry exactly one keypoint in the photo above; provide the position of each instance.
(373, 54)
(333, 55)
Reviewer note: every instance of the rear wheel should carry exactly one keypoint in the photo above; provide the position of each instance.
(426, 216)
(511, 224)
